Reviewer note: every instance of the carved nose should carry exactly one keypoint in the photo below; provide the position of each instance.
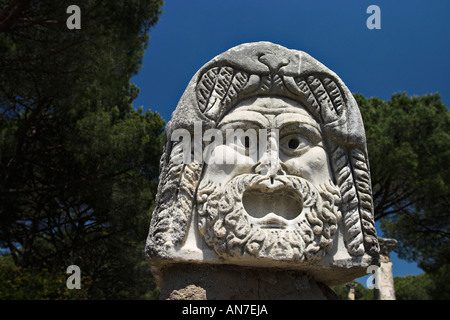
(269, 164)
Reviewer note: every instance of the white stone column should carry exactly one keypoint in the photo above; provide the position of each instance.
(351, 291)
(386, 278)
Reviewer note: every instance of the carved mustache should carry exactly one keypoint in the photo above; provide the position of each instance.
(271, 202)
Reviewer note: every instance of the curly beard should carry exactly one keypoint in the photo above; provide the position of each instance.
(227, 227)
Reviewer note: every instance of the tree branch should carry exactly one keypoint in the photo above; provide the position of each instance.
(7, 21)
(69, 183)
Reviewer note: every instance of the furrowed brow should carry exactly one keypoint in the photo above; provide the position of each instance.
(243, 119)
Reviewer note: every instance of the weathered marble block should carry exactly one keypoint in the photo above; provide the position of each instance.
(296, 194)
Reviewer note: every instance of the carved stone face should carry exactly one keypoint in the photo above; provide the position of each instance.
(293, 186)
(281, 204)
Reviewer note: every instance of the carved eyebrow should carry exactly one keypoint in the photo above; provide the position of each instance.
(293, 119)
(244, 119)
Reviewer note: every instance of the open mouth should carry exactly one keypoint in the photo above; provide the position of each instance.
(272, 207)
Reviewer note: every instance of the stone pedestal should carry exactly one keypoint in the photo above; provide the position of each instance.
(386, 289)
(225, 282)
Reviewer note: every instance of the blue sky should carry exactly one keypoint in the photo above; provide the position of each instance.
(409, 53)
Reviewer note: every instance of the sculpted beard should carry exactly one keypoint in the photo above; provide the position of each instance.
(228, 228)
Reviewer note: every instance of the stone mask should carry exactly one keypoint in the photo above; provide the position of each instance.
(305, 197)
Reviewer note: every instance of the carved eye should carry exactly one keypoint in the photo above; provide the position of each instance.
(245, 145)
(293, 143)
(243, 142)
(246, 142)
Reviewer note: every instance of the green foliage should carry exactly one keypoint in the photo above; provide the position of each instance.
(361, 293)
(419, 287)
(17, 283)
(78, 164)
(408, 140)
(414, 287)
(441, 279)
